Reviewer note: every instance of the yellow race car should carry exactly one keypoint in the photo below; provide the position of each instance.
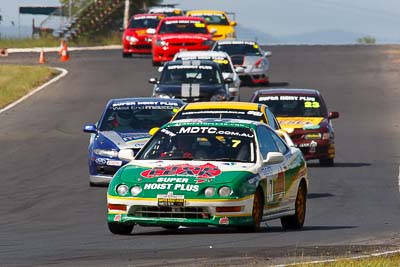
(228, 110)
(217, 20)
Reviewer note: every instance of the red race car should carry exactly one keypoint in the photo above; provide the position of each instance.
(175, 34)
(135, 38)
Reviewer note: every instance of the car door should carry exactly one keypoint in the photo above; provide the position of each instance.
(272, 175)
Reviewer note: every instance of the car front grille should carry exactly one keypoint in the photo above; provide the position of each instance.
(183, 44)
(170, 212)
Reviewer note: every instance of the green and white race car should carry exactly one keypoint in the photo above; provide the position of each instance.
(202, 172)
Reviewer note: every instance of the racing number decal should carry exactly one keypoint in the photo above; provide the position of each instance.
(235, 143)
(309, 104)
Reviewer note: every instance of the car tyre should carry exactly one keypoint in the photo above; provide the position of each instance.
(120, 228)
(326, 162)
(257, 213)
(296, 221)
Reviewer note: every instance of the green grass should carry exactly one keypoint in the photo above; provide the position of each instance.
(392, 260)
(112, 39)
(16, 81)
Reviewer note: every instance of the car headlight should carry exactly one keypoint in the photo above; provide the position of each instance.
(224, 191)
(135, 190)
(161, 43)
(207, 43)
(131, 39)
(122, 189)
(220, 96)
(231, 35)
(106, 153)
(260, 63)
(209, 192)
(161, 95)
(326, 136)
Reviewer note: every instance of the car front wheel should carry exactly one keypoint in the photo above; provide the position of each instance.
(120, 228)
(296, 221)
(257, 213)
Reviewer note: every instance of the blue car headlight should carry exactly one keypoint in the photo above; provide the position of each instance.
(106, 153)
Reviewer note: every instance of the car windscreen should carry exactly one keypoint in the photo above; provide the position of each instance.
(137, 116)
(223, 62)
(198, 74)
(182, 27)
(216, 143)
(144, 22)
(213, 19)
(232, 49)
(293, 105)
(251, 115)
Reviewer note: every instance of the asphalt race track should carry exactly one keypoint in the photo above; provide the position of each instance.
(50, 215)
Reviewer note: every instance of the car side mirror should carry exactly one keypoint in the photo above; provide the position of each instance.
(267, 54)
(333, 115)
(239, 70)
(274, 158)
(228, 80)
(126, 154)
(153, 80)
(160, 69)
(153, 131)
(233, 23)
(151, 31)
(90, 128)
(213, 31)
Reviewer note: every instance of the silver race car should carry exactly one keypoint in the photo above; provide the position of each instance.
(250, 61)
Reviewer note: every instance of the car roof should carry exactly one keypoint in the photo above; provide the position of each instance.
(209, 11)
(214, 122)
(183, 18)
(297, 91)
(145, 99)
(186, 62)
(155, 15)
(235, 41)
(222, 105)
(208, 53)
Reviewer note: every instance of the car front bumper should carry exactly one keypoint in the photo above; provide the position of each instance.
(196, 212)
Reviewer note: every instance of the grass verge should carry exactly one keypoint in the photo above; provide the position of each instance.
(392, 260)
(16, 81)
(112, 39)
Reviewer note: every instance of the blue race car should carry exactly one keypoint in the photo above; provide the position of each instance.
(125, 123)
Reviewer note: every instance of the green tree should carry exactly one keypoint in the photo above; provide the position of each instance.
(366, 40)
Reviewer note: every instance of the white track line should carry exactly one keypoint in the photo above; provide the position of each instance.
(59, 76)
(399, 178)
(349, 258)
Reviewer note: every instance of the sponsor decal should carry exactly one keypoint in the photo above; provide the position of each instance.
(202, 173)
(224, 220)
(190, 67)
(100, 161)
(175, 187)
(287, 98)
(117, 218)
(182, 21)
(266, 171)
(237, 42)
(114, 163)
(313, 146)
(141, 104)
(211, 130)
(147, 17)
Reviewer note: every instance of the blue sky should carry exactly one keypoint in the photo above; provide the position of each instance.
(380, 19)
